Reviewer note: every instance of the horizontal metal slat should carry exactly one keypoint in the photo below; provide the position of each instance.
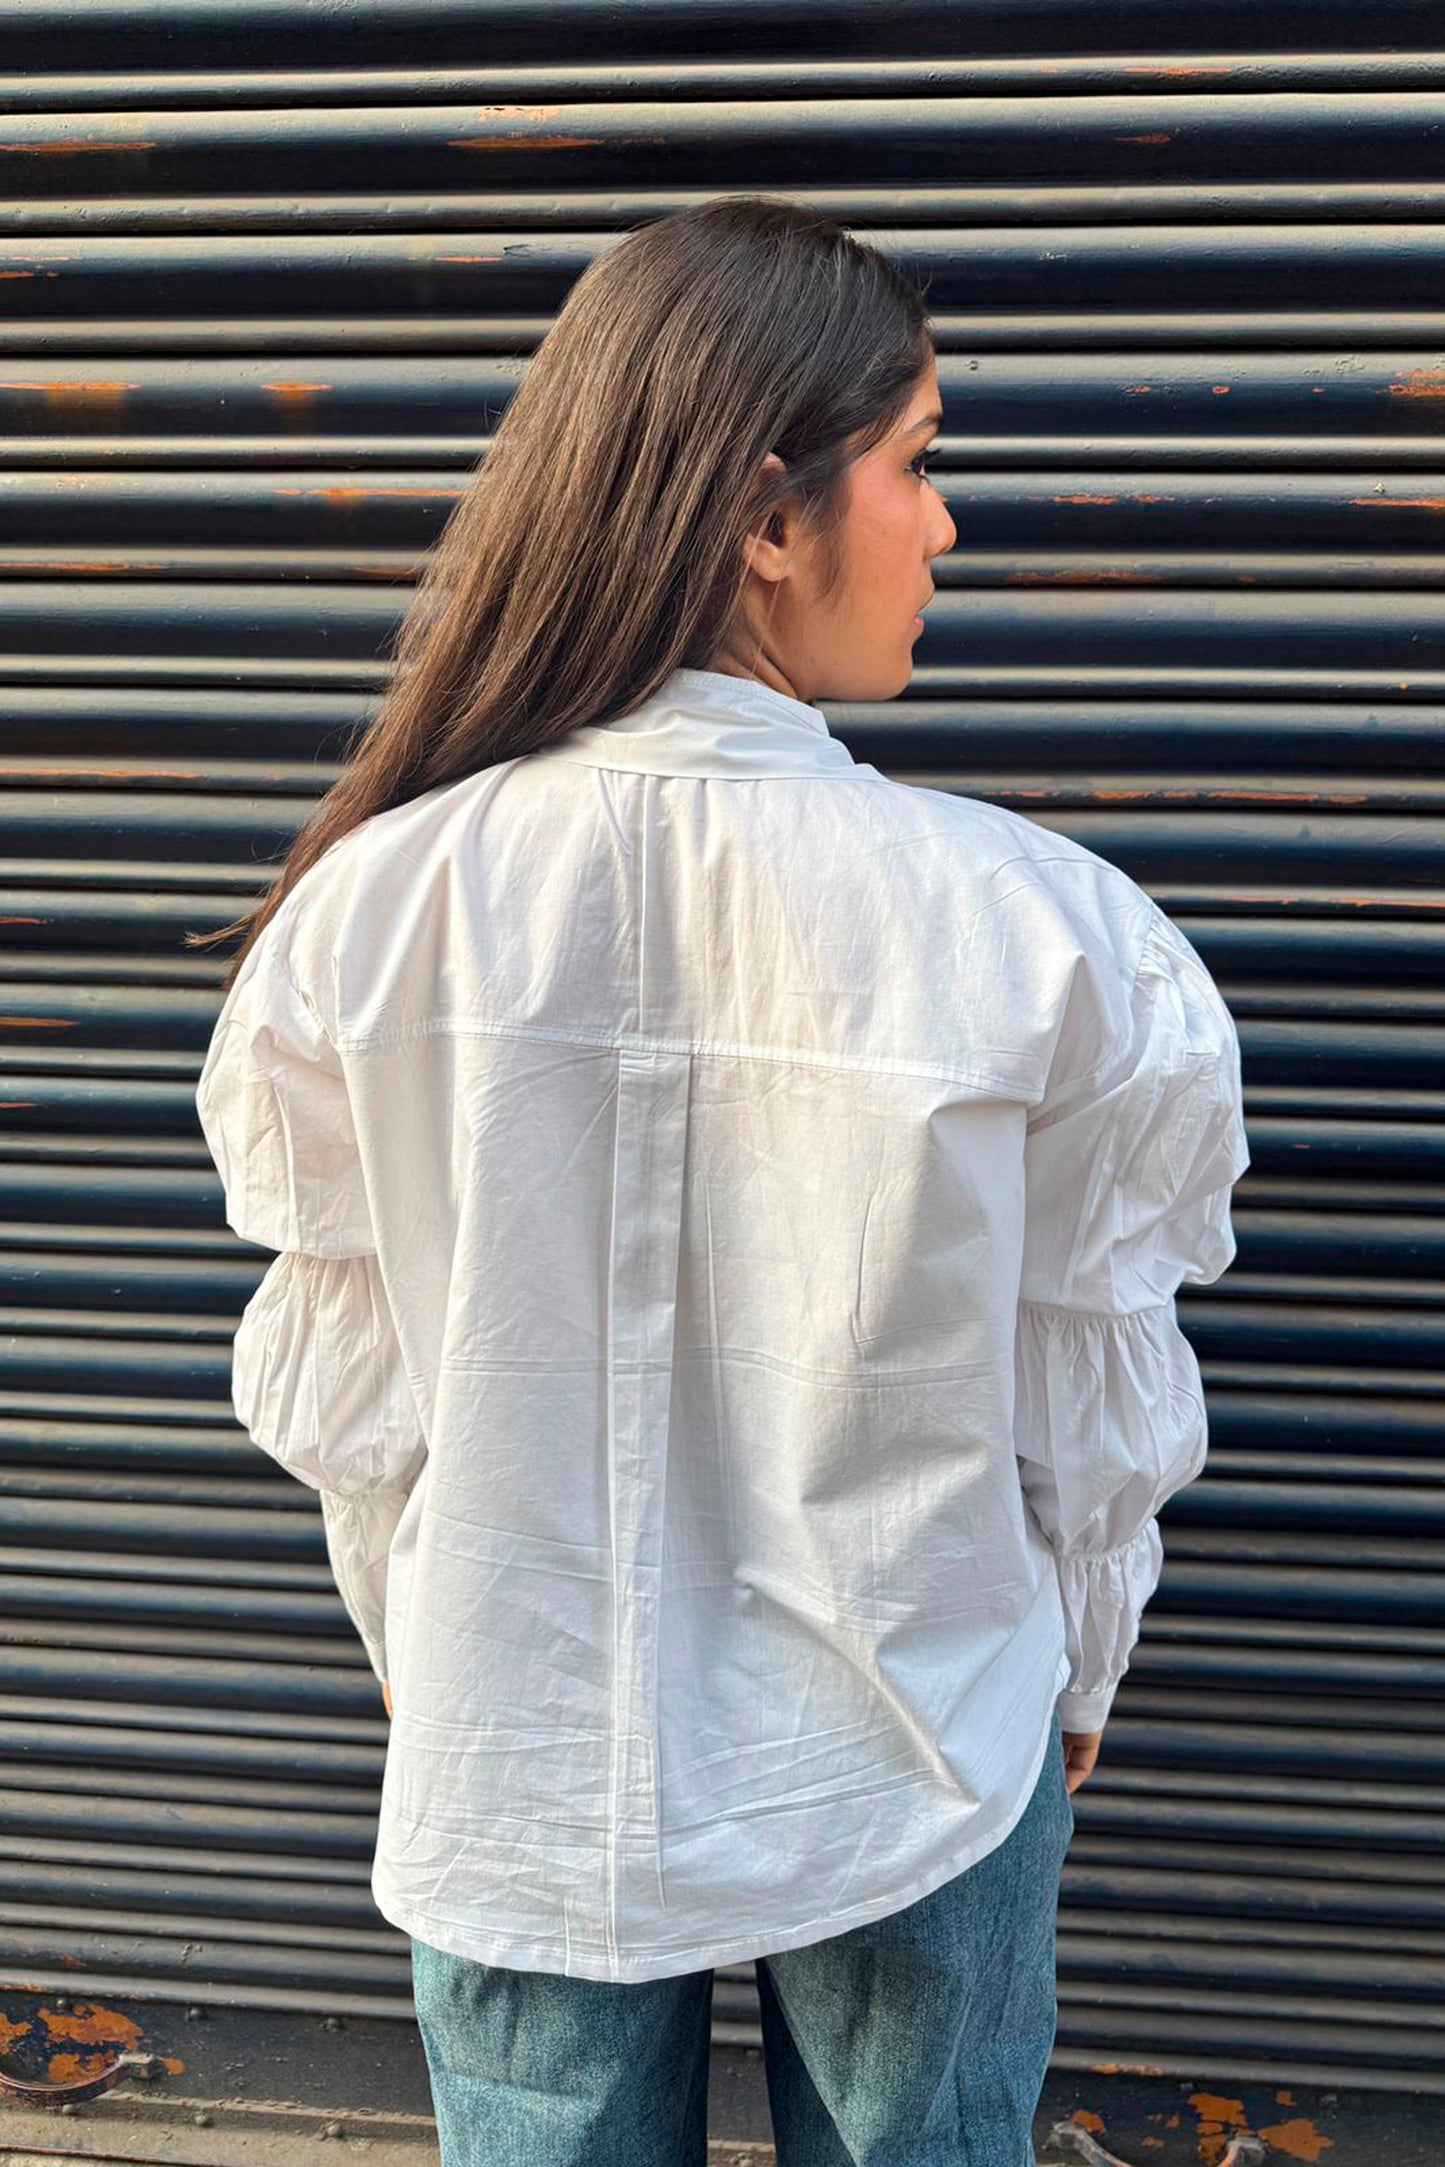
(188, 34)
(671, 80)
(1034, 270)
(1009, 414)
(90, 1886)
(313, 1762)
(172, 1801)
(1181, 135)
(317, 1698)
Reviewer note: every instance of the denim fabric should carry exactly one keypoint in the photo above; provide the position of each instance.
(919, 2039)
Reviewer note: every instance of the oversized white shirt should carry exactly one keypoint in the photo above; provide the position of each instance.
(729, 1207)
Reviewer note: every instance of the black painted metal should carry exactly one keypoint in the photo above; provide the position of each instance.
(271, 271)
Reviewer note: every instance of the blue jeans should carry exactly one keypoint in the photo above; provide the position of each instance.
(923, 2037)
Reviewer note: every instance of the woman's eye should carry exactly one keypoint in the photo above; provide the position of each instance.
(917, 466)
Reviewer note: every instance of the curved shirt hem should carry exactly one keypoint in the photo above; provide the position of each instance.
(517, 1954)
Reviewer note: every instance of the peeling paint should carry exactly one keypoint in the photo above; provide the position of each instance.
(76, 146)
(91, 2024)
(69, 394)
(1299, 2139)
(346, 497)
(1084, 579)
(1217, 2117)
(530, 142)
(1198, 67)
(1421, 384)
(126, 568)
(295, 394)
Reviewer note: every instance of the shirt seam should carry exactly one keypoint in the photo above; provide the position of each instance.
(1102, 1316)
(637, 1042)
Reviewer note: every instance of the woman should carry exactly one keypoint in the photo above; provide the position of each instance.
(729, 1207)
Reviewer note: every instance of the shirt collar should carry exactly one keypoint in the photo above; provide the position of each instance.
(708, 722)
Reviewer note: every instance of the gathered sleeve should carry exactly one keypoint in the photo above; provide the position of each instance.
(1128, 1174)
(277, 1118)
(318, 1381)
(318, 1376)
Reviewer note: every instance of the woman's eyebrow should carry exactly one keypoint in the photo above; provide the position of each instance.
(925, 421)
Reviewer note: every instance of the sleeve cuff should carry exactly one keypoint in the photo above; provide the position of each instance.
(1085, 1711)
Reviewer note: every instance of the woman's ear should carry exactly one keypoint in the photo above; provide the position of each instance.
(769, 545)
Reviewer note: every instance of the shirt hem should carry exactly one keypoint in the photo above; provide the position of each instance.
(519, 1954)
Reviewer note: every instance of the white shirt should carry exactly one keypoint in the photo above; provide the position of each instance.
(729, 1208)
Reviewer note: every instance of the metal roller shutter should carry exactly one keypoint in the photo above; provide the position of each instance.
(270, 271)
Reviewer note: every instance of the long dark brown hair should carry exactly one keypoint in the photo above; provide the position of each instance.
(598, 545)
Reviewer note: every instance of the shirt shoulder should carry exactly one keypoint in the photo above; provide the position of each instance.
(1049, 876)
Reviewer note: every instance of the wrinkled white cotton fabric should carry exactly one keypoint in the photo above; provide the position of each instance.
(729, 1207)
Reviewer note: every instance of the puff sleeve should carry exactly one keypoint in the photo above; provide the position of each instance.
(1128, 1174)
(318, 1376)
(319, 1382)
(277, 1118)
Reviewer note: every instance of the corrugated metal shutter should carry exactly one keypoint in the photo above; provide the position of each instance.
(270, 271)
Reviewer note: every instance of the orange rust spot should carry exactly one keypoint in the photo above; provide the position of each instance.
(1159, 67)
(1388, 504)
(67, 389)
(126, 569)
(24, 1106)
(1127, 2069)
(1214, 2107)
(1087, 2119)
(518, 112)
(1421, 384)
(1298, 2139)
(173, 2064)
(1138, 387)
(345, 498)
(1084, 499)
(1221, 387)
(1158, 138)
(465, 259)
(10, 2031)
(13, 920)
(1083, 579)
(533, 142)
(64, 146)
(66, 394)
(33, 768)
(64, 2068)
(34, 1023)
(294, 395)
(1284, 2099)
(89, 2024)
